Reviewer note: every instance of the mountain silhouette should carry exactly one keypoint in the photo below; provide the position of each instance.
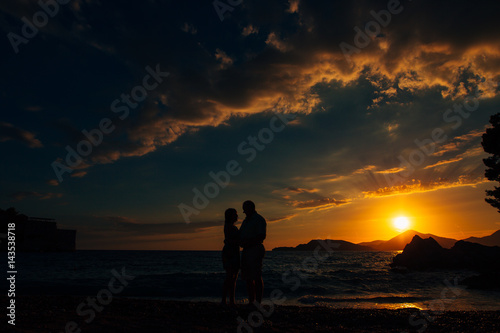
(491, 240)
(315, 243)
(423, 254)
(398, 243)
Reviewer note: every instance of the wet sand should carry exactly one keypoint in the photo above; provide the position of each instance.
(52, 314)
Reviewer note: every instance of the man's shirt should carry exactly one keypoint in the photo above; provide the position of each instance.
(253, 226)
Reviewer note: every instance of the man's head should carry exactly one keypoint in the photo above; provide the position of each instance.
(248, 207)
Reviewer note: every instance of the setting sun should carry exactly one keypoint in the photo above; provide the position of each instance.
(401, 223)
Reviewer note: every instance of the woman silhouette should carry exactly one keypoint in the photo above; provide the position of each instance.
(230, 254)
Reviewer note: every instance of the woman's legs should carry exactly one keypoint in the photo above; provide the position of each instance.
(251, 290)
(227, 286)
(230, 286)
(224, 289)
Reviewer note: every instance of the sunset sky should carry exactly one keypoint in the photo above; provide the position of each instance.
(332, 130)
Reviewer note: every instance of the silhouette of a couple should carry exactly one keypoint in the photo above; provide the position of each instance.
(250, 237)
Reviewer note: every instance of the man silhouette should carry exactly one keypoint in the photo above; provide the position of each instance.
(252, 235)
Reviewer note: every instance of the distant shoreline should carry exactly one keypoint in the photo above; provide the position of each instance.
(52, 313)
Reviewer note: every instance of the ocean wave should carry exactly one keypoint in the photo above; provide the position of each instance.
(182, 275)
(339, 271)
(312, 299)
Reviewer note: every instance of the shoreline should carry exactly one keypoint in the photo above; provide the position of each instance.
(53, 313)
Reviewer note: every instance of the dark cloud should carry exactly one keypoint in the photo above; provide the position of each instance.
(354, 119)
(19, 196)
(10, 132)
(296, 50)
(127, 225)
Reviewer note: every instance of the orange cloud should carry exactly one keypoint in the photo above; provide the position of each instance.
(79, 174)
(392, 170)
(10, 132)
(416, 186)
(301, 190)
(364, 169)
(53, 182)
(458, 142)
(319, 203)
(373, 168)
(281, 218)
(274, 41)
(294, 6)
(451, 160)
(283, 76)
(225, 60)
(248, 30)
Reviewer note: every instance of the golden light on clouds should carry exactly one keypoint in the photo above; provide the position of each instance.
(416, 186)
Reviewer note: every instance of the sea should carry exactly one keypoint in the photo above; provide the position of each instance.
(336, 279)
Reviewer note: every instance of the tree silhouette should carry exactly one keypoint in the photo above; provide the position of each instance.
(491, 145)
(10, 215)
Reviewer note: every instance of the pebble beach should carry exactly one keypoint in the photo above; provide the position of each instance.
(59, 314)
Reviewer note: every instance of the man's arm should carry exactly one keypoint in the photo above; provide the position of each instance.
(254, 240)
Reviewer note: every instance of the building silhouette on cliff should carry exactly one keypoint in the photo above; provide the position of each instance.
(34, 234)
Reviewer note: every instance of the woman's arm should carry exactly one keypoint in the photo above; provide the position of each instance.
(234, 237)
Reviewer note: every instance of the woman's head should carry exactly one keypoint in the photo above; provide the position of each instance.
(231, 215)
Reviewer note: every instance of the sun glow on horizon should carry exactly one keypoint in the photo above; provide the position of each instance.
(401, 223)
